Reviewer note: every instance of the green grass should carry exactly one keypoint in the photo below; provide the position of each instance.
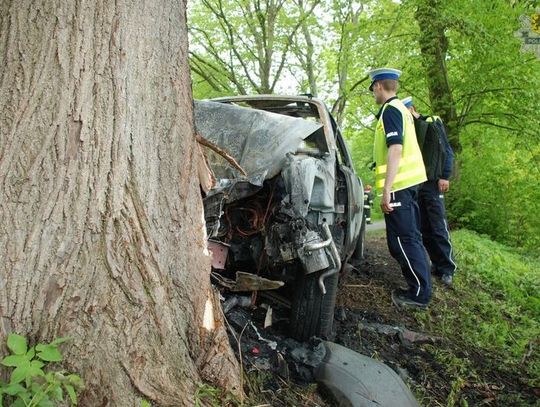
(210, 396)
(376, 212)
(494, 307)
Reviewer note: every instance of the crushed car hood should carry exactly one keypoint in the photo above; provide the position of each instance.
(258, 140)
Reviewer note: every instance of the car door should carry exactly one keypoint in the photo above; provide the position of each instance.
(355, 195)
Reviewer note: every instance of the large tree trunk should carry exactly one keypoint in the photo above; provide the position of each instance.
(434, 47)
(101, 224)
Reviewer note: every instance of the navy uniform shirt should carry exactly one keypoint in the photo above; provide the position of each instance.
(393, 123)
(449, 161)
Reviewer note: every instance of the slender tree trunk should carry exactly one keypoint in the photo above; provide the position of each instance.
(309, 52)
(101, 226)
(434, 46)
(348, 18)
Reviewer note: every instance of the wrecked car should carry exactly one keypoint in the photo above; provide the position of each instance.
(286, 210)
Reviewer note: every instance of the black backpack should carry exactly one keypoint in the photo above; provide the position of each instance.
(431, 136)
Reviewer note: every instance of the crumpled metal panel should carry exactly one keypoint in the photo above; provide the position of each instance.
(219, 252)
(356, 380)
(234, 189)
(310, 183)
(258, 140)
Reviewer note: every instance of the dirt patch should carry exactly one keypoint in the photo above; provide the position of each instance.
(441, 371)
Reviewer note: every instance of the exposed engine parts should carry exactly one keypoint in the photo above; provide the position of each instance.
(285, 225)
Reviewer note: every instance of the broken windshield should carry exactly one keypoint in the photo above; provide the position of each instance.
(258, 140)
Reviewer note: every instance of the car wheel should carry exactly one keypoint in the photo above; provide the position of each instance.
(361, 242)
(312, 311)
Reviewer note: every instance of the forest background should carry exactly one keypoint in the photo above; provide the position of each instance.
(461, 60)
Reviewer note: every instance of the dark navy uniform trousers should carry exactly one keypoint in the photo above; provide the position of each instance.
(434, 228)
(405, 243)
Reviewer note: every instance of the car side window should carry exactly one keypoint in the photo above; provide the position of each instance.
(343, 156)
(342, 152)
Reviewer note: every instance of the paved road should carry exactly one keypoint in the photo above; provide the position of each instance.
(377, 225)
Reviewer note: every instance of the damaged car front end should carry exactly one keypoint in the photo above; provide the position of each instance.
(288, 214)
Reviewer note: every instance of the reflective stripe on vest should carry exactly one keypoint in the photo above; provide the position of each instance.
(411, 170)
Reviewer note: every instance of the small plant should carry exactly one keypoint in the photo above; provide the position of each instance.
(209, 396)
(31, 383)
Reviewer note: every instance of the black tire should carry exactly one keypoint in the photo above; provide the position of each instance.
(312, 313)
(361, 242)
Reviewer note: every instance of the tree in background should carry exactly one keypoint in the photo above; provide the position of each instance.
(484, 89)
(244, 46)
(347, 26)
(100, 210)
(461, 61)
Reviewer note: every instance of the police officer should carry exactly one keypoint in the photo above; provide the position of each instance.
(434, 226)
(399, 170)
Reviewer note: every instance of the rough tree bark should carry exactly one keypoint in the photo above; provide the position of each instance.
(101, 228)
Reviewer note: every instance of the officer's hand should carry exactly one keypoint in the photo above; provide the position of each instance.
(385, 202)
(444, 185)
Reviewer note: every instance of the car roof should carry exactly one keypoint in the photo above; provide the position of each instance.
(269, 101)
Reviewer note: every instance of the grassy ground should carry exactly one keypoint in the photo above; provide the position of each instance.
(493, 310)
(487, 326)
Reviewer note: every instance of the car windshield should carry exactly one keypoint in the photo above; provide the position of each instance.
(301, 109)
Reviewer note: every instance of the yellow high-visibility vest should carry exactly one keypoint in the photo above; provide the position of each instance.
(411, 170)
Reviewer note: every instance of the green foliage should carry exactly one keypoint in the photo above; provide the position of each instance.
(496, 310)
(31, 383)
(207, 395)
(494, 92)
(498, 196)
(246, 46)
(494, 190)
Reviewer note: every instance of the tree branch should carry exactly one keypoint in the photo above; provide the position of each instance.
(356, 84)
(485, 91)
(229, 32)
(288, 43)
(198, 64)
(207, 143)
(500, 126)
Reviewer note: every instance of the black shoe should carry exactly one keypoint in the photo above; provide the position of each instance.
(404, 292)
(446, 279)
(402, 300)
